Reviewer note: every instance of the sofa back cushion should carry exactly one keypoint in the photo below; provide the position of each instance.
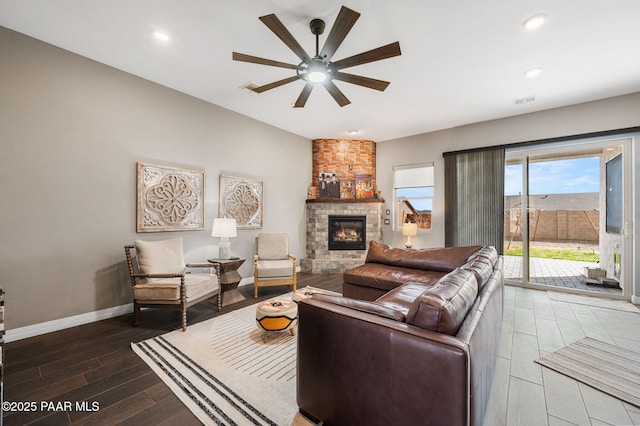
(443, 307)
(487, 253)
(444, 259)
(481, 263)
(482, 268)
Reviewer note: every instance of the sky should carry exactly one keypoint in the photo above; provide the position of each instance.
(556, 177)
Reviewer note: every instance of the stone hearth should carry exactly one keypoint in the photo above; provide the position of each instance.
(322, 260)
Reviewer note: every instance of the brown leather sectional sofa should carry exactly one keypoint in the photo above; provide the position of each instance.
(423, 352)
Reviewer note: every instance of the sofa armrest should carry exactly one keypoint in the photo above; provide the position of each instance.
(356, 367)
(362, 306)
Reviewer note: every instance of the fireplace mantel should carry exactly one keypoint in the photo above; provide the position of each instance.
(319, 258)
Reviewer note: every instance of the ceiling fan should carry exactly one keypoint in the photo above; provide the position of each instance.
(319, 69)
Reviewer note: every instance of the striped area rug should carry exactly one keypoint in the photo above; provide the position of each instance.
(610, 369)
(225, 374)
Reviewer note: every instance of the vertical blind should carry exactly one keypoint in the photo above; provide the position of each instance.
(474, 198)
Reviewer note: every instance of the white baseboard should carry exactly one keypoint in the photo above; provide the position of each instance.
(62, 323)
(635, 300)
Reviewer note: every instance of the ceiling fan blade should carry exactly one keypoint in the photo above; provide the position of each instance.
(256, 60)
(304, 95)
(283, 34)
(370, 83)
(340, 98)
(383, 52)
(275, 84)
(344, 22)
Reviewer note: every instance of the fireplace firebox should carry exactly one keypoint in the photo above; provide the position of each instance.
(347, 232)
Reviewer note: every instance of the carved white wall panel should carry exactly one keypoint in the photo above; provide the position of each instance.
(241, 199)
(169, 199)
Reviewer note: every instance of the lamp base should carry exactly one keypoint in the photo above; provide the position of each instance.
(224, 250)
(408, 244)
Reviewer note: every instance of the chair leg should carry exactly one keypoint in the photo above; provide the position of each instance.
(255, 291)
(136, 313)
(184, 317)
(219, 300)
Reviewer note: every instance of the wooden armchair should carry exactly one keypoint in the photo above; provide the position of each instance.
(272, 263)
(160, 279)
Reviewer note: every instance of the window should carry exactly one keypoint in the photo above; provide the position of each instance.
(413, 194)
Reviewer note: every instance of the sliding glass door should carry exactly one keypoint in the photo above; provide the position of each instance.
(566, 216)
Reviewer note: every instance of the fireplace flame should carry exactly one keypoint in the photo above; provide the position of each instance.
(346, 235)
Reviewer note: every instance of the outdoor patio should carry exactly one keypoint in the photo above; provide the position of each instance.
(557, 273)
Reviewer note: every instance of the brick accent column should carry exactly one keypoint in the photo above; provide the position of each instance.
(347, 158)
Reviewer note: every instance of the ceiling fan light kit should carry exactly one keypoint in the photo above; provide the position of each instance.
(319, 69)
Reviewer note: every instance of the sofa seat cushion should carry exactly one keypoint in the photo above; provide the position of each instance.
(385, 277)
(402, 298)
(165, 290)
(434, 259)
(444, 306)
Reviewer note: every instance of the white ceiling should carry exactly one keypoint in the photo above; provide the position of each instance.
(463, 61)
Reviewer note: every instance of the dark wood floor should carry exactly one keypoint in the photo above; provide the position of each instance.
(95, 364)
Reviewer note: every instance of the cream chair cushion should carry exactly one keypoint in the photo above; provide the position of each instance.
(168, 289)
(275, 268)
(166, 257)
(273, 246)
(160, 257)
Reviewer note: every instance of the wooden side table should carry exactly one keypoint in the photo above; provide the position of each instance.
(229, 280)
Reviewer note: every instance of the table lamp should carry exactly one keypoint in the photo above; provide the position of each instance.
(224, 229)
(409, 230)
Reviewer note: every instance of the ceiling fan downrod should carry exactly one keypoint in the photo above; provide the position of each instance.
(317, 28)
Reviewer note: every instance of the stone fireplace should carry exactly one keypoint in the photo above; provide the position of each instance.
(320, 258)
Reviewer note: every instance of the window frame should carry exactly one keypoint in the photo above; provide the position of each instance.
(430, 178)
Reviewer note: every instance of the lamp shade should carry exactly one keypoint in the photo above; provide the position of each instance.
(409, 229)
(223, 228)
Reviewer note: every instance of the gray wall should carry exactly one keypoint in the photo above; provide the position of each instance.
(71, 132)
(608, 114)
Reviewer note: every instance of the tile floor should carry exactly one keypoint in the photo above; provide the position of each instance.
(524, 393)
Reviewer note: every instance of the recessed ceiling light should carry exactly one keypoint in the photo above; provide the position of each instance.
(161, 36)
(533, 72)
(353, 132)
(535, 21)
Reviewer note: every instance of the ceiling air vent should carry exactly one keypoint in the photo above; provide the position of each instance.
(525, 100)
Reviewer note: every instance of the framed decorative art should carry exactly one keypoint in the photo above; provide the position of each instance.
(328, 185)
(241, 199)
(169, 199)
